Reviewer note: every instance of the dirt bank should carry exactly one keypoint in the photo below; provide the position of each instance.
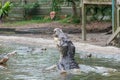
(96, 31)
(47, 28)
(50, 43)
(96, 38)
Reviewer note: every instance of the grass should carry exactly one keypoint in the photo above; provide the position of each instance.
(71, 20)
(25, 22)
(40, 19)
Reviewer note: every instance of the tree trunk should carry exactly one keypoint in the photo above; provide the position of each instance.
(1, 18)
(74, 8)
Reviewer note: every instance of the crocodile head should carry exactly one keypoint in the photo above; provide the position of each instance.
(62, 41)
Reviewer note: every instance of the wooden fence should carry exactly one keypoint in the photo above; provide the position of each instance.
(18, 13)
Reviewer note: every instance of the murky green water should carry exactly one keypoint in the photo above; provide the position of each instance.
(31, 61)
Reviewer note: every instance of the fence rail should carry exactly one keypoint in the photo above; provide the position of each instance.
(106, 2)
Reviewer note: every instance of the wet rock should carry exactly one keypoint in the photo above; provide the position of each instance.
(44, 49)
(5, 57)
(12, 53)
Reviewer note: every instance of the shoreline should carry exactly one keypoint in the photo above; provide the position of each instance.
(86, 47)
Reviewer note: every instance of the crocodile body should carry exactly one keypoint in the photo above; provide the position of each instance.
(67, 51)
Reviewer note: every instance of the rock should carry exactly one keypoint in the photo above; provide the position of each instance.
(5, 57)
(4, 60)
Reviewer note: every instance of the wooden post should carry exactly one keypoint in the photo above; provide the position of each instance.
(118, 16)
(113, 36)
(118, 24)
(113, 17)
(83, 22)
(115, 21)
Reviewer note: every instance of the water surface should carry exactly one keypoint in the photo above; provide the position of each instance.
(31, 61)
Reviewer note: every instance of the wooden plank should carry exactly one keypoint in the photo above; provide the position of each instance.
(16, 15)
(113, 36)
(83, 23)
(97, 0)
(15, 19)
(103, 2)
(115, 16)
(99, 3)
(118, 16)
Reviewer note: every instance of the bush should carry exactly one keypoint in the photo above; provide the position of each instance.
(42, 18)
(5, 9)
(30, 9)
(70, 19)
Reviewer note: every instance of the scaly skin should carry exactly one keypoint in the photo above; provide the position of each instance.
(67, 51)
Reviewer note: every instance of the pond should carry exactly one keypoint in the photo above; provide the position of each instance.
(31, 61)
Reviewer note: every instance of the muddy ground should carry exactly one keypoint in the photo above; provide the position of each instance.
(42, 35)
(96, 31)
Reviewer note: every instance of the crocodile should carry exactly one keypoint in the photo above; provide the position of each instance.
(67, 51)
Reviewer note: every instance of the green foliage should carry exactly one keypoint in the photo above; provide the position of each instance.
(55, 6)
(42, 19)
(76, 20)
(4, 9)
(70, 19)
(98, 12)
(77, 2)
(31, 8)
(35, 19)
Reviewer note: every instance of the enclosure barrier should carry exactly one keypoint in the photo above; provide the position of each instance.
(115, 15)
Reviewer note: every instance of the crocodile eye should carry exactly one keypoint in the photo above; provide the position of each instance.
(54, 31)
(55, 35)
